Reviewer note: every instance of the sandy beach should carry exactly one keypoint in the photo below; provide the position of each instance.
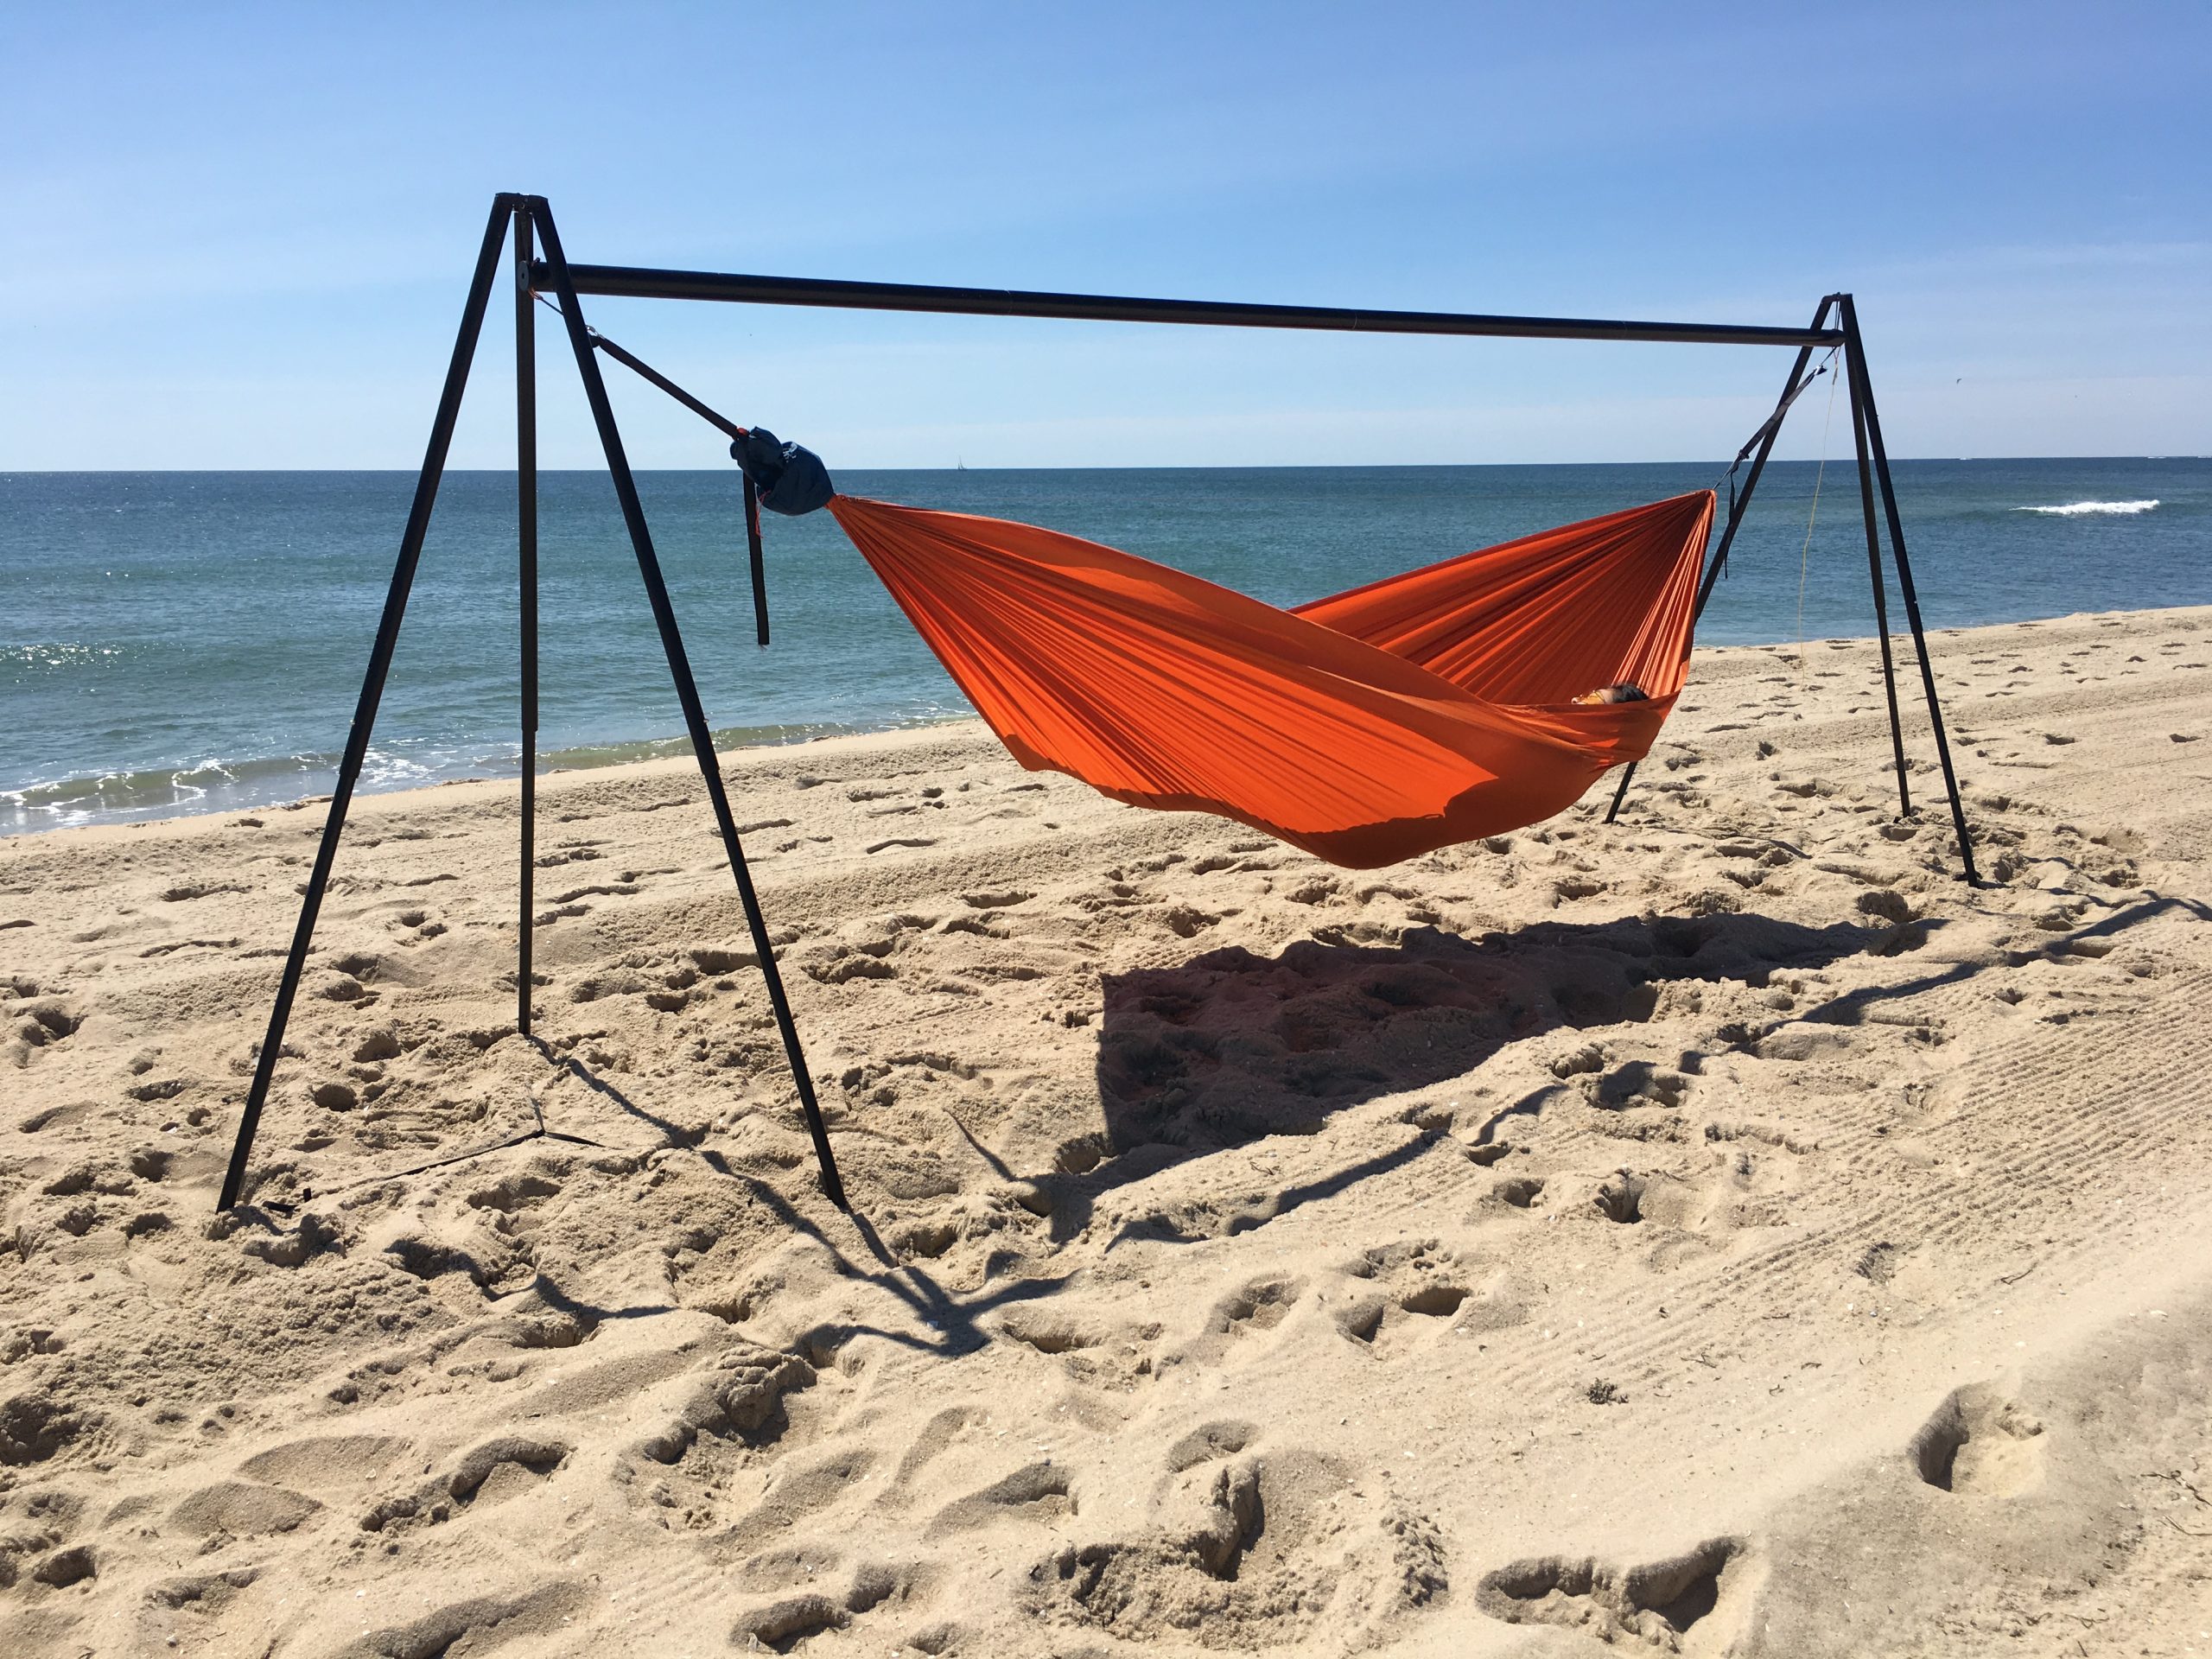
(1720, 1232)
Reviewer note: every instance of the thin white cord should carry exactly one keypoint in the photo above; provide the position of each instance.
(1805, 554)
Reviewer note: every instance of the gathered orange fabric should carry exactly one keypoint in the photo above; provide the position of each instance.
(1367, 728)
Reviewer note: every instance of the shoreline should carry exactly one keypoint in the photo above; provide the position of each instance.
(923, 730)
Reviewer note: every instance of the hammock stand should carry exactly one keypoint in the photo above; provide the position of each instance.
(1834, 324)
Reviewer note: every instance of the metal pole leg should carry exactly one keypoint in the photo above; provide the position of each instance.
(364, 712)
(1881, 593)
(686, 690)
(526, 522)
(1628, 777)
(1906, 588)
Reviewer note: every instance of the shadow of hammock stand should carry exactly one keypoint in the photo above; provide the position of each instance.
(532, 224)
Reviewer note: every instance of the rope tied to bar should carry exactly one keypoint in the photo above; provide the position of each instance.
(1805, 553)
(742, 445)
(1772, 422)
(789, 478)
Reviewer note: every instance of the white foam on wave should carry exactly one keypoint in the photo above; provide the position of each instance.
(2080, 509)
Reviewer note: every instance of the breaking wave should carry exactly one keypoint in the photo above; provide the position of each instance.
(220, 786)
(2083, 509)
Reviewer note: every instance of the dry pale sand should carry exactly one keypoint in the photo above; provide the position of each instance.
(1724, 1232)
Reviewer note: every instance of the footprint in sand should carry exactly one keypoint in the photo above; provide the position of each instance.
(242, 1508)
(1413, 1283)
(1001, 900)
(974, 924)
(43, 1025)
(925, 1240)
(1980, 1443)
(1048, 1333)
(1514, 1192)
(952, 1428)
(1208, 1442)
(780, 1626)
(1035, 1492)
(201, 890)
(1254, 1547)
(845, 963)
(1260, 1305)
(1656, 1603)
(480, 1623)
(801, 1490)
(570, 851)
(326, 1462)
(1620, 1198)
(511, 1201)
(1638, 1084)
(490, 1474)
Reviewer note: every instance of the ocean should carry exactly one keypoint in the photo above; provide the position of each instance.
(183, 642)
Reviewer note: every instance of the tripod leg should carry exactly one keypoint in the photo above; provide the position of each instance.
(365, 711)
(686, 690)
(1628, 777)
(1905, 588)
(1881, 593)
(526, 522)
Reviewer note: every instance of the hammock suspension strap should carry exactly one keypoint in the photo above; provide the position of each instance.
(737, 435)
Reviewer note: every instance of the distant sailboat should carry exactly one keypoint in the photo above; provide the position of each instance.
(959, 465)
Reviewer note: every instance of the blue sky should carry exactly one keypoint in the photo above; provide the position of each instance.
(238, 235)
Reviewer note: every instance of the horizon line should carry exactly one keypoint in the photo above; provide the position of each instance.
(1185, 467)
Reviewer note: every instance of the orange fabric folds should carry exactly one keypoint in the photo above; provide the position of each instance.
(1402, 717)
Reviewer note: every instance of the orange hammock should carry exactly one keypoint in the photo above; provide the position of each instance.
(1404, 715)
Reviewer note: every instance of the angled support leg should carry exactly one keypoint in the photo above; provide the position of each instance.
(1768, 434)
(1628, 777)
(365, 711)
(1881, 591)
(686, 690)
(526, 522)
(1863, 395)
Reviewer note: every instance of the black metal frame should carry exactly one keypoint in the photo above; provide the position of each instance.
(533, 226)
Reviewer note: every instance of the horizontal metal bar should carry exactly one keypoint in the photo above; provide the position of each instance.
(633, 282)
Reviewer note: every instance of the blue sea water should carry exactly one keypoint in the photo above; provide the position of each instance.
(194, 641)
